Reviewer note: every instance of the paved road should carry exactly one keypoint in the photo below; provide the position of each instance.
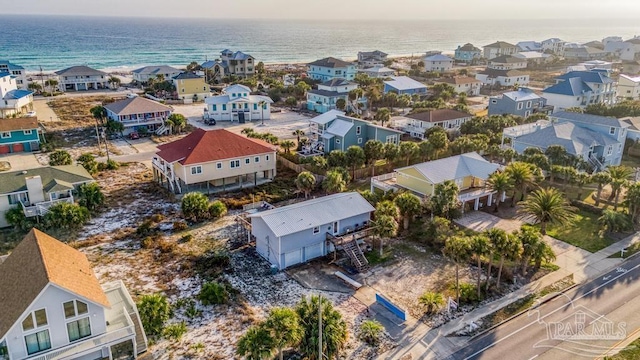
(604, 308)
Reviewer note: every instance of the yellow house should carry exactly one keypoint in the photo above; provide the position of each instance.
(191, 87)
(468, 171)
(214, 160)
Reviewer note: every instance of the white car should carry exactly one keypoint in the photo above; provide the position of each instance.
(31, 114)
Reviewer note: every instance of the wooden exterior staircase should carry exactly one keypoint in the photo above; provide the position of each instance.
(349, 244)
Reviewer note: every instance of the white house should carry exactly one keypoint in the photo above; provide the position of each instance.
(503, 77)
(155, 72)
(534, 46)
(137, 112)
(81, 78)
(416, 124)
(553, 45)
(534, 57)
(237, 104)
(499, 48)
(507, 62)
(463, 84)
(17, 71)
(378, 71)
(54, 308)
(629, 87)
(328, 93)
(297, 233)
(13, 101)
(438, 62)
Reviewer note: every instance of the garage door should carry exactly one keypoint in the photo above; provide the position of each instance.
(18, 148)
(4, 149)
(313, 251)
(292, 258)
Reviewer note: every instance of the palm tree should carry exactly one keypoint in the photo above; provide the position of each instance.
(373, 150)
(334, 328)
(509, 248)
(382, 115)
(495, 236)
(500, 182)
(51, 84)
(632, 201)
(548, 206)
(581, 179)
(35, 87)
(612, 221)
(409, 205)
(305, 182)
(247, 131)
(479, 248)
(522, 176)
(458, 249)
(530, 238)
(408, 150)
(438, 140)
(114, 81)
(355, 158)
(384, 226)
(297, 133)
(262, 104)
(557, 155)
(256, 344)
(287, 145)
(620, 176)
(284, 327)
(388, 208)
(334, 182)
(602, 178)
(177, 121)
(391, 153)
(444, 199)
(432, 301)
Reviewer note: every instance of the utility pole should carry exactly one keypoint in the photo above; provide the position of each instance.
(320, 357)
(42, 78)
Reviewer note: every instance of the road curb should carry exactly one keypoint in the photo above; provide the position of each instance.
(543, 301)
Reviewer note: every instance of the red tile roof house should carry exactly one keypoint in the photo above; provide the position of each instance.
(213, 161)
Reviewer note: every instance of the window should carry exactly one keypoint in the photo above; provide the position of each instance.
(224, 107)
(255, 106)
(235, 164)
(609, 150)
(6, 135)
(528, 104)
(233, 106)
(34, 320)
(316, 229)
(335, 227)
(219, 166)
(619, 148)
(494, 101)
(195, 170)
(264, 106)
(256, 159)
(79, 329)
(27, 132)
(247, 161)
(37, 342)
(612, 130)
(358, 130)
(391, 139)
(214, 107)
(359, 140)
(337, 141)
(266, 157)
(520, 105)
(74, 308)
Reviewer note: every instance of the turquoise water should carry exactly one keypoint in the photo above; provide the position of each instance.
(58, 42)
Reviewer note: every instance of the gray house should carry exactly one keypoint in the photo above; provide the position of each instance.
(300, 232)
(523, 102)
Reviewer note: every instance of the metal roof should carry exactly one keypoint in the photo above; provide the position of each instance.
(327, 117)
(311, 213)
(339, 127)
(522, 94)
(455, 167)
(404, 83)
(589, 119)
(575, 139)
(572, 87)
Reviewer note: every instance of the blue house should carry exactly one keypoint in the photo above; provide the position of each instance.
(19, 135)
(330, 68)
(325, 97)
(334, 130)
(597, 140)
(467, 53)
(523, 102)
(404, 85)
(297, 233)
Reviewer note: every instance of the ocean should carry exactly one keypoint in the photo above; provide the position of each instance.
(57, 42)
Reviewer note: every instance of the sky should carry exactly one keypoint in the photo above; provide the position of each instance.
(333, 9)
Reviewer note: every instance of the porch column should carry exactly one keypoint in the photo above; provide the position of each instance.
(75, 86)
(255, 179)
(504, 196)
(476, 204)
(490, 201)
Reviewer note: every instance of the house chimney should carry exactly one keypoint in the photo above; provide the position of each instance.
(34, 189)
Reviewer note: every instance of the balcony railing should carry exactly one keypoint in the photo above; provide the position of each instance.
(42, 208)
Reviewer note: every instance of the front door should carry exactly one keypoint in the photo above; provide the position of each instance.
(241, 117)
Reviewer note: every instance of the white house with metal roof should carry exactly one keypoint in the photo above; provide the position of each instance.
(155, 72)
(438, 62)
(297, 233)
(378, 71)
(13, 100)
(81, 78)
(404, 85)
(629, 87)
(237, 104)
(17, 71)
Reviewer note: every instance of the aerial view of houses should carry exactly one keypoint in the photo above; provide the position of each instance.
(202, 188)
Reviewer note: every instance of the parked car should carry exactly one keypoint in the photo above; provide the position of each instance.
(31, 114)
(209, 121)
(134, 136)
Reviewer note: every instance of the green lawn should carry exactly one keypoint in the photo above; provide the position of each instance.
(634, 248)
(631, 352)
(583, 233)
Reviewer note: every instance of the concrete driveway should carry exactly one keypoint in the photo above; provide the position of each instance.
(44, 113)
(21, 161)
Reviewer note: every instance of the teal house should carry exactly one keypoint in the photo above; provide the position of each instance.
(334, 130)
(19, 135)
(331, 68)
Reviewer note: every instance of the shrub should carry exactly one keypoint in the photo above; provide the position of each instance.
(16, 218)
(112, 165)
(195, 206)
(217, 209)
(90, 196)
(186, 238)
(156, 218)
(88, 161)
(154, 311)
(145, 228)
(66, 216)
(147, 242)
(175, 331)
(211, 263)
(60, 157)
(165, 246)
(180, 225)
(468, 293)
(432, 301)
(213, 293)
(370, 331)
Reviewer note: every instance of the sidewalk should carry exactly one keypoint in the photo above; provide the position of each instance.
(434, 344)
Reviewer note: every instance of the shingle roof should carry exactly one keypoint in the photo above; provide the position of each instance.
(80, 71)
(597, 77)
(468, 47)
(311, 213)
(337, 82)
(330, 62)
(575, 139)
(439, 115)
(634, 122)
(460, 80)
(506, 59)
(573, 87)
(589, 119)
(500, 45)
(204, 146)
(455, 167)
(438, 57)
(136, 105)
(38, 260)
(15, 124)
(187, 75)
(494, 73)
(155, 69)
(326, 93)
(14, 181)
(404, 83)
